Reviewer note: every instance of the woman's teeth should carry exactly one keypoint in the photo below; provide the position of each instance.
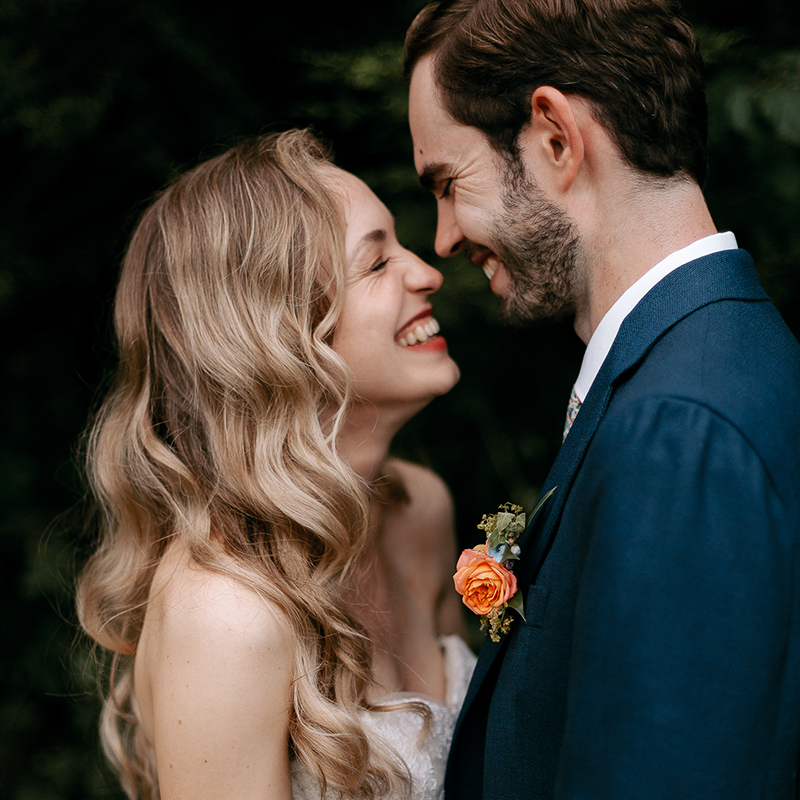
(490, 266)
(419, 335)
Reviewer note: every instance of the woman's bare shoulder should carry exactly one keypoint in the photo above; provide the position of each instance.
(425, 515)
(187, 601)
(427, 494)
(213, 677)
(423, 531)
(199, 622)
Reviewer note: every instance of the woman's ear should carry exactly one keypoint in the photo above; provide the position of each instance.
(553, 140)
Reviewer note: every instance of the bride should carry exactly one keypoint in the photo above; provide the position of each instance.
(274, 589)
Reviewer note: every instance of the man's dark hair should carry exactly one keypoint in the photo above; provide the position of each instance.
(636, 61)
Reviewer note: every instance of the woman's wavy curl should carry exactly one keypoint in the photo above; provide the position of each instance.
(220, 428)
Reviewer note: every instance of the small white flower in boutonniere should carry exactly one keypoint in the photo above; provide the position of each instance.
(483, 573)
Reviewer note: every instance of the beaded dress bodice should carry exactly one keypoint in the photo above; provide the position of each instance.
(402, 730)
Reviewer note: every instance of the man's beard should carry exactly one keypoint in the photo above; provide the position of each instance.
(539, 247)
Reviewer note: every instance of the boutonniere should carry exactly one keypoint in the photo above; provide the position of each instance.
(484, 576)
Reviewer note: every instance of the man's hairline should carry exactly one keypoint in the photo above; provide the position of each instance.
(508, 158)
(511, 159)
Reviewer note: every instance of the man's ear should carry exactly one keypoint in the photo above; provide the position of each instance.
(553, 141)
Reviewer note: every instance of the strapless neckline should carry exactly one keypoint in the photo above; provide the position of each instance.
(425, 755)
(459, 661)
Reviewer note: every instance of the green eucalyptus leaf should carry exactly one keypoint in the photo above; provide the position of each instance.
(494, 539)
(516, 603)
(504, 519)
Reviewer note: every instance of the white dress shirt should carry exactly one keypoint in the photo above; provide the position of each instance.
(606, 332)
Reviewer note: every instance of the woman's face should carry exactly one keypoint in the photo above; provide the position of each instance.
(386, 332)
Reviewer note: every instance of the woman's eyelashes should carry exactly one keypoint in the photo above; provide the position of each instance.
(446, 190)
(379, 264)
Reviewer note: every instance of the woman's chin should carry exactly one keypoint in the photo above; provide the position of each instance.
(438, 388)
(408, 391)
(455, 377)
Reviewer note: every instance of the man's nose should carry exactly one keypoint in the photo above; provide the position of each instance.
(449, 238)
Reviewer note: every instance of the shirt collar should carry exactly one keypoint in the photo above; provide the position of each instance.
(606, 332)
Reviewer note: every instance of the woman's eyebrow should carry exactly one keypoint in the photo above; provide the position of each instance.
(378, 236)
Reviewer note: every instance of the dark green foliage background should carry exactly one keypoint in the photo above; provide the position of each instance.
(102, 101)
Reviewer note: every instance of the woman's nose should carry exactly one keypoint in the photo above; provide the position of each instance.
(422, 277)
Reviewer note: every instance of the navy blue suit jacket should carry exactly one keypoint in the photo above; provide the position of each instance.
(660, 656)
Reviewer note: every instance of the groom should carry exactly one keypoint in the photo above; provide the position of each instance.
(565, 142)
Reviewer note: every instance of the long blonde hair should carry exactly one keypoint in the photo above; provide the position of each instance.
(220, 429)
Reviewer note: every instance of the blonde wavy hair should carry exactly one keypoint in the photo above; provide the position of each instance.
(220, 429)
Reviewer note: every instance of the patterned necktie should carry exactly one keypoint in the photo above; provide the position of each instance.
(572, 411)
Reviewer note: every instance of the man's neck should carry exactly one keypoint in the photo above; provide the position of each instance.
(631, 233)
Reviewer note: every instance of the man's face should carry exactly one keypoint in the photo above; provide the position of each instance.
(497, 216)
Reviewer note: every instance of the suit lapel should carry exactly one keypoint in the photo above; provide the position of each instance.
(720, 276)
(546, 521)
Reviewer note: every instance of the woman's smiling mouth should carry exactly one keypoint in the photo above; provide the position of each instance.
(421, 332)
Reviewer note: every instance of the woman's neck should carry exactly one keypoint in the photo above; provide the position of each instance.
(366, 437)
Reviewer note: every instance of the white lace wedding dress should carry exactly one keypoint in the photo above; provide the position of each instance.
(425, 756)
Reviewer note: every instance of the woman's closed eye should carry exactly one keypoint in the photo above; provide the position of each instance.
(446, 190)
(379, 264)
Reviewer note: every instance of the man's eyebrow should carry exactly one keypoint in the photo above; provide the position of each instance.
(432, 174)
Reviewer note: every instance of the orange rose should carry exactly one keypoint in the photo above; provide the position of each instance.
(483, 582)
